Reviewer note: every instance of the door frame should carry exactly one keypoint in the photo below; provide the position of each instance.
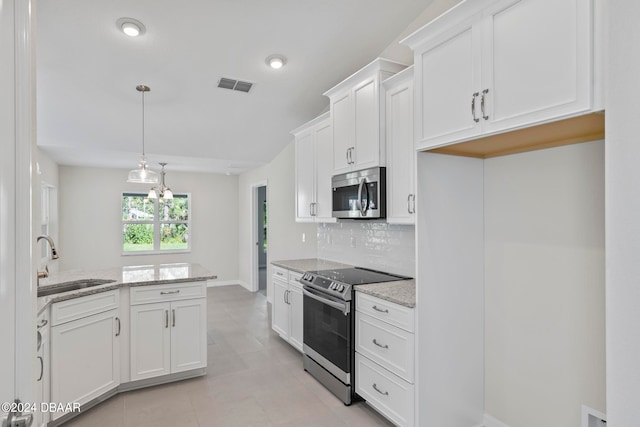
(18, 267)
(255, 259)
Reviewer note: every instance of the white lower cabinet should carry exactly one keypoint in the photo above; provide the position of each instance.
(167, 337)
(85, 354)
(287, 307)
(41, 418)
(385, 357)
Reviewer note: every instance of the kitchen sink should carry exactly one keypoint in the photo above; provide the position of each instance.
(71, 286)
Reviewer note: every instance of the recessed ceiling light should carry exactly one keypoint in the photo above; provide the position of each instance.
(276, 61)
(131, 27)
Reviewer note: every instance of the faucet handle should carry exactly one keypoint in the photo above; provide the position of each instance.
(44, 274)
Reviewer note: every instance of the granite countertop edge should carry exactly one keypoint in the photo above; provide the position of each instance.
(402, 292)
(109, 274)
(309, 264)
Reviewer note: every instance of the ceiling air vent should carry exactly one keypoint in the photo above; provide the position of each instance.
(233, 84)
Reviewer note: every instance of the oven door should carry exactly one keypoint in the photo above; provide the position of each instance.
(327, 332)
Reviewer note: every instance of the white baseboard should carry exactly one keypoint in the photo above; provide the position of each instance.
(490, 421)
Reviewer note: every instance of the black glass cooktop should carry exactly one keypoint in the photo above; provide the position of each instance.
(358, 276)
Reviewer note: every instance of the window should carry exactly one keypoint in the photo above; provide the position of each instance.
(155, 226)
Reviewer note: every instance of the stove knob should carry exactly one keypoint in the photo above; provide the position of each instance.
(341, 288)
(333, 286)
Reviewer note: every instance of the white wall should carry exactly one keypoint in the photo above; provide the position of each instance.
(284, 234)
(404, 55)
(371, 244)
(91, 227)
(47, 176)
(544, 286)
(623, 214)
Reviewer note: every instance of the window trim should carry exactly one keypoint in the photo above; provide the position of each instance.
(157, 223)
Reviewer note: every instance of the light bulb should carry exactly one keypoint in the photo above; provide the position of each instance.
(131, 29)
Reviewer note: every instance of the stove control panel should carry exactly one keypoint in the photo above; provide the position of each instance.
(337, 289)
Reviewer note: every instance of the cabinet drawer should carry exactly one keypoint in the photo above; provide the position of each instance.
(281, 273)
(169, 292)
(387, 311)
(391, 347)
(387, 393)
(77, 308)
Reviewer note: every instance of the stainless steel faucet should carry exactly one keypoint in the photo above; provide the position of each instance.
(54, 255)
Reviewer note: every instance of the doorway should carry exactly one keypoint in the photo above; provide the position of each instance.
(259, 237)
(261, 232)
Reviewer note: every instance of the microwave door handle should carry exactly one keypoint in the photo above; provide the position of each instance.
(362, 208)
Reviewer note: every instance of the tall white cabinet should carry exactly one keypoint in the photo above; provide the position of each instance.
(401, 196)
(357, 117)
(490, 66)
(313, 170)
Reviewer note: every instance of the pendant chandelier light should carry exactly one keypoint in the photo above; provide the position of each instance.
(162, 191)
(143, 175)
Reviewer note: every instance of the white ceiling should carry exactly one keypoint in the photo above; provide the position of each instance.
(89, 112)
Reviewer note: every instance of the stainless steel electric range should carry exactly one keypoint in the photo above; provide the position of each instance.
(329, 324)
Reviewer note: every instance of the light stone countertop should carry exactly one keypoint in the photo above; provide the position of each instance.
(144, 275)
(401, 292)
(309, 264)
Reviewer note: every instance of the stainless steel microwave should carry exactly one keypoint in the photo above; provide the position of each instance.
(360, 194)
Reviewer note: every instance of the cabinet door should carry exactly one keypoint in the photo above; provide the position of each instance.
(296, 317)
(188, 335)
(150, 340)
(447, 77)
(343, 132)
(305, 177)
(280, 308)
(367, 125)
(85, 358)
(42, 376)
(400, 153)
(536, 64)
(324, 192)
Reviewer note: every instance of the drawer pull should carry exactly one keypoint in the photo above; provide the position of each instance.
(279, 274)
(170, 292)
(375, 307)
(41, 368)
(119, 327)
(42, 323)
(380, 345)
(384, 393)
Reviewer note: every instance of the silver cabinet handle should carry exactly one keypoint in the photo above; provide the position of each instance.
(41, 368)
(484, 93)
(42, 323)
(413, 203)
(170, 292)
(380, 345)
(347, 155)
(375, 307)
(119, 327)
(173, 315)
(375, 387)
(310, 209)
(409, 203)
(473, 106)
(351, 155)
(166, 318)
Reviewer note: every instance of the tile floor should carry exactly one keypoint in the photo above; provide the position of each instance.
(254, 378)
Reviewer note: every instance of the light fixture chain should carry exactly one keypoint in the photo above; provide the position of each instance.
(143, 124)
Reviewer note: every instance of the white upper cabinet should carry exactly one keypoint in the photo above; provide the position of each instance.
(494, 65)
(357, 117)
(314, 161)
(398, 92)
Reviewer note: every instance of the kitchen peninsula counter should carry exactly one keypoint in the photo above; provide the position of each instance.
(129, 276)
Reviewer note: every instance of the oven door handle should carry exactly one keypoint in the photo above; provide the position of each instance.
(343, 307)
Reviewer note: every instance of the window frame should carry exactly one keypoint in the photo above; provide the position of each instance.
(157, 223)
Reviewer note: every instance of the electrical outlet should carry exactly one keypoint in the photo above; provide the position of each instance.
(304, 237)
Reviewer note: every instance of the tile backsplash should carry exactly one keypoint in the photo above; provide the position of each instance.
(371, 244)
